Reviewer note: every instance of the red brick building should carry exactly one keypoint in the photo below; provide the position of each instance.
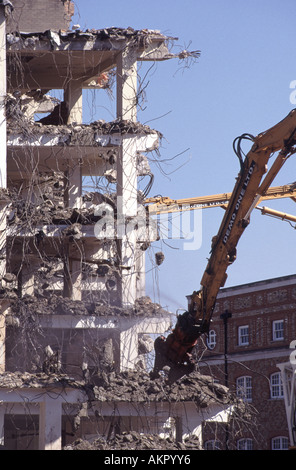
(252, 328)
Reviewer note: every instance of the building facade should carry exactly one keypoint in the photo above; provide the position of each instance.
(75, 324)
(252, 328)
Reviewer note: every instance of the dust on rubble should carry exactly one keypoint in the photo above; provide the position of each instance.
(135, 441)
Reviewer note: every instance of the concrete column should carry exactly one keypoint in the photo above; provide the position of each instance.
(127, 85)
(127, 212)
(72, 274)
(188, 419)
(3, 227)
(128, 278)
(179, 428)
(2, 414)
(2, 342)
(3, 156)
(28, 277)
(130, 228)
(50, 424)
(127, 178)
(76, 279)
(141, 275)
(74, 185)
(3, 137)
(3, 312)
(73, 98)
(128, 349)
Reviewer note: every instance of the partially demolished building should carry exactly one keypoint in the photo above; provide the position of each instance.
(75, 324)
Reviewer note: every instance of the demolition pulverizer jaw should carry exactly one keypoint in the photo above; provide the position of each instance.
(176, 371)
(160, 360)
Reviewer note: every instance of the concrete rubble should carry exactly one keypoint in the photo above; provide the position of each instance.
(20, 380)
(82, 134)
(51, 208)
(137, 386)
(20, 110)
(134, 386)
(135, 441)
(56, 305)
(55, 38)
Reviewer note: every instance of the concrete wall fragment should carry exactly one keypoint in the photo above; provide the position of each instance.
(40, 15)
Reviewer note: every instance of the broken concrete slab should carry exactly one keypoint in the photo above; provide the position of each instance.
(21, 380)
(137, 386)
(82, 135)
(110, 37)
(56, 305)
(135, 441)
(134, 386)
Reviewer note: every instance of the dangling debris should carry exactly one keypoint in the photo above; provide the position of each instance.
(159, 258)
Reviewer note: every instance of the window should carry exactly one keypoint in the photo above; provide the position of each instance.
(212, 445)
(245, 444)
(278, 330)
(280, 443)
(243, 335)
(244, 388)
(276, 386)
(211, 341)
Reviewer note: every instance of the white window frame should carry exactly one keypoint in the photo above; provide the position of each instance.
(280, 443)
(212, 445)
(244, 388)
(245, 444)
(212, 339)
(278, 333)
(276, 386)
(243, 335)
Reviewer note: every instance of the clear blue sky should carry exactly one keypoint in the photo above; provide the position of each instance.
(241, 83)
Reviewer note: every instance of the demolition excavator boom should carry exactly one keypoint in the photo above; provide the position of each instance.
(165, 205)
(252, 184)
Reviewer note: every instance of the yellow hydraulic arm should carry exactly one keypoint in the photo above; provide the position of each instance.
(163, 204)
(277, 214)
(251, 186)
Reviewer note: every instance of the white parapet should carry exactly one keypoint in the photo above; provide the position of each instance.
(288, 376)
